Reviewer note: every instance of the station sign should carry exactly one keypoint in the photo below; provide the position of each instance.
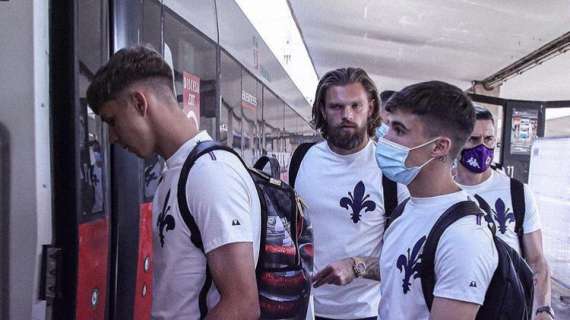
(191, 97)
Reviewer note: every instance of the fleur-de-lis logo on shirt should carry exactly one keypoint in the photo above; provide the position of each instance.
(358, 202)
(165, 220)
(502, 215)
(410, 264)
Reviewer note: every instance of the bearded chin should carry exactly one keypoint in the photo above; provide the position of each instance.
(345, 140)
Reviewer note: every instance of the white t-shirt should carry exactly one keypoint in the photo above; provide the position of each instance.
(224, 203)
(345, 204)
(465, 258)
(496, 191)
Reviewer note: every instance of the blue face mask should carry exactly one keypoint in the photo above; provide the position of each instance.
(391, 158)
(382, 130)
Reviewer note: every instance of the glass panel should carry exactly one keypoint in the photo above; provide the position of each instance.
(230, 120)
(152, 26)
(152, 35)
(251, 107)
(92, 53)
(273, 122)
(194, 63)
(557, 122)
(201, 13)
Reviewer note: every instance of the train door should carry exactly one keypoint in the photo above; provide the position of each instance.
(81, 166)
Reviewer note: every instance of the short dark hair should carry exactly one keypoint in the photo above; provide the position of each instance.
(342, 77)
(483, 114)
(125, 67)
(442, 107)
(386, 95)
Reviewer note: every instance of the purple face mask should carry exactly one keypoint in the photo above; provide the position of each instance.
(477, 159)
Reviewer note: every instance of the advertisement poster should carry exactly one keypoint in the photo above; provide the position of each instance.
(191, 97)
(524, 130)
(248, 100)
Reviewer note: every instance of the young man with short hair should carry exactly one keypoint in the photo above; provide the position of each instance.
(429, 123)
(133, 94)
(343, 189)
(475, 175)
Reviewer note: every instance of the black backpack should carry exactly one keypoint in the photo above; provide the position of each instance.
(510, 293)
(390, 188)
(286, 247)
(519, 209)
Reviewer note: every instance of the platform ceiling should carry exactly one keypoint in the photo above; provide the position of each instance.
(402, 42)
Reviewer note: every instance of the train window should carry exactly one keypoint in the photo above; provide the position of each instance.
(92, 53)
(151, 26)
(202, 13)
(152, 35)
(231, 90)
(273, 109)
(194, 64)
(557, 120)
(251, 107)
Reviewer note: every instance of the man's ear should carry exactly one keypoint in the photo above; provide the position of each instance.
(371, 103)
(323, 113)
(442, 147)
(140, 102)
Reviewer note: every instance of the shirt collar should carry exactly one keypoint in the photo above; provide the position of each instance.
(178, 158)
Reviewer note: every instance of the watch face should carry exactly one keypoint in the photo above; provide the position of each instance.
(360, 267)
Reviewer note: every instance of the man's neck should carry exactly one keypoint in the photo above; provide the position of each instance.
(173, 131)
(468, 178)
(434, 180)
(345, 152)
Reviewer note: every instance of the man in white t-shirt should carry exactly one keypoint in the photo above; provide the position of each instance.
(133, 94)
(339, 181)
(475, 176)
(429, 123)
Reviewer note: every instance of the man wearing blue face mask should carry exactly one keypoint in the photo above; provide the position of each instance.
(429, 123)
(510, 203)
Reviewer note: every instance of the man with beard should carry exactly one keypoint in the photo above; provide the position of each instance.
(343, 189)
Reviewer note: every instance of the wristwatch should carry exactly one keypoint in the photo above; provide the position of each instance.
(546, 309)
(358, 266)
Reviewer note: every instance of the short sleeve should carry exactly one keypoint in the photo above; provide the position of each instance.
(531, 221)
(466, 259)
(220, 201)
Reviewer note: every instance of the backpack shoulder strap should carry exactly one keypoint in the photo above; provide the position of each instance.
(451, 215)
(397, 212)
(296, 159)
(488, 214)
(519, 208)
(390, 190)
(199, 150)
(273, 165)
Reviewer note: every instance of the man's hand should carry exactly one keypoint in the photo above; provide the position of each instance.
(338, 273)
